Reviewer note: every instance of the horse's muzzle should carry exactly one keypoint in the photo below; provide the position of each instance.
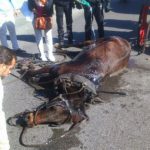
(23, 119)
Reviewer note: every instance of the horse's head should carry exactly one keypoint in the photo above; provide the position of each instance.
(71, 95)
(56, 112)
(52, 115)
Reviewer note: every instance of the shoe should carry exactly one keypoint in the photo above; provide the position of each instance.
(59, 46)
(18, 50)
(70, 39)
(52, 58)
(70, 43)
(43, 58)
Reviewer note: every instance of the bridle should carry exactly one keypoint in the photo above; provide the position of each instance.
(85, 85)
(62, 101)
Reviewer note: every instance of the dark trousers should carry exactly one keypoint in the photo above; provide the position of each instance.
(97, 12)
(60, 11)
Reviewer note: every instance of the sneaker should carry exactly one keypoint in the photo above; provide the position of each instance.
(18, 50)
(52, 58)
(43, 58)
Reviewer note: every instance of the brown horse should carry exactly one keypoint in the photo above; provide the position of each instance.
(75, 82)
(110, 55)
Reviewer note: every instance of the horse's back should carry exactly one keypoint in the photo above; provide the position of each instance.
(116, 45)
(108, 56)
(113, 53)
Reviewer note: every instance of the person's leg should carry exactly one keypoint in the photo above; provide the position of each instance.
(4, 142)
(68, 15)
(40, 44)
(59, 20)
(12, 34)
(88, 22)
(3, 35)
(49, 44)
(99, 17)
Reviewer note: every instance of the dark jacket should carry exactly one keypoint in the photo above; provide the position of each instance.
(62, 2)
(104, 3)
(48, 8)
(101, 1)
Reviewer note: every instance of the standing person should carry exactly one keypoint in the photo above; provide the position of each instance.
(95, 8)
(8, 8)
(43, 8)
(7, 63)
(64, 7)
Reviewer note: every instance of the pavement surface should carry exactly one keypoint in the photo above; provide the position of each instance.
(120, 122)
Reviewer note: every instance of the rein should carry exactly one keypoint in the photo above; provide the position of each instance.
(24, 128)
(57, 101)
(62, 101)
(53, 103)
(75, 78)
(40, 145)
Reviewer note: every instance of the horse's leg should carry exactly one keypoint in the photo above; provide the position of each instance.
(77, 117)
(97, 99)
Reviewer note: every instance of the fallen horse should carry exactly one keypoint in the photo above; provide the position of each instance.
(70, 85)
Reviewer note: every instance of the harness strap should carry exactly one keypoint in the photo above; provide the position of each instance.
(89, 85)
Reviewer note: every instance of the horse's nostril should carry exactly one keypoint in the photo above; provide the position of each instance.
(21, 121)
(27, 118)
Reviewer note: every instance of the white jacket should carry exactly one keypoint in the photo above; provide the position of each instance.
(1, 94)
(4, 142)
(7, 8)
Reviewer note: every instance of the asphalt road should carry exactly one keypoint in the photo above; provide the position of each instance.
(120, 123)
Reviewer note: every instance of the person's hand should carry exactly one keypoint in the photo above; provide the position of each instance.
(34, 11)
(107, 7)
(78, 5)
(17, 12)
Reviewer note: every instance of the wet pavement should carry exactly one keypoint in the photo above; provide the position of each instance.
(120, 122)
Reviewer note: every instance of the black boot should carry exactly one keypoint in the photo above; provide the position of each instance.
(101, 32)
(88, 35)
(70, 36)
(61, 38)
(70, 39)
